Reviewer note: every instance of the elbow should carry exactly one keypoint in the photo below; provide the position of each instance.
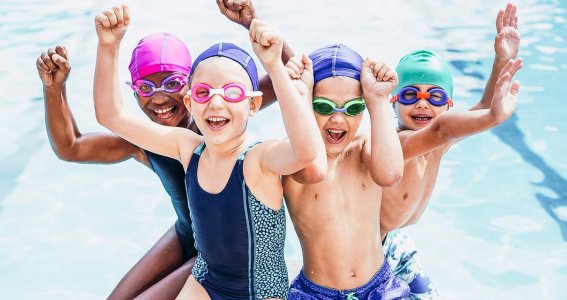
(69, 154)
(388, 180)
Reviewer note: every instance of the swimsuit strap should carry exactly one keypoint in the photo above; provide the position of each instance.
(241, 157)
(199, 149)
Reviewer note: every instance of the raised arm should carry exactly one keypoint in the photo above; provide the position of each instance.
(173, 142)
(304, 142)
(382, 154)
(506, 47)
(242, 12)
(450, 127)
(66, 140)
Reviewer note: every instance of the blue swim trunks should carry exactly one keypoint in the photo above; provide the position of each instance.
(384, 285)
(401, 254)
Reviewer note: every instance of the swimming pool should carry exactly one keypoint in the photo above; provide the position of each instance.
(496, 227)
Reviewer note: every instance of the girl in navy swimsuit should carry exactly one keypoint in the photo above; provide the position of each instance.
(234, 190)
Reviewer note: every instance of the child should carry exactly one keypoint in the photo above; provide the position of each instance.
(238, 216)
(427, 130)
(337, 220)
(158, 60)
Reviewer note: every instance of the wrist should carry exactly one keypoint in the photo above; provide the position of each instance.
(109, 46)
(54, 88)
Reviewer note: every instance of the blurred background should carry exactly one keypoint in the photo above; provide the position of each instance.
(496, 226)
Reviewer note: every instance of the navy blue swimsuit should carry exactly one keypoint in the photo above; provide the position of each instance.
(172, 176)
(240, 240)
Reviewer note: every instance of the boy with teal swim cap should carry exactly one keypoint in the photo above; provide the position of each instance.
(427, 129)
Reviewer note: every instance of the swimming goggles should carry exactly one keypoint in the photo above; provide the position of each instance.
(325, 106)
(232, 92)
(410, 95)
(170, 84)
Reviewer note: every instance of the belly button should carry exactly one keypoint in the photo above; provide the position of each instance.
(352, 274)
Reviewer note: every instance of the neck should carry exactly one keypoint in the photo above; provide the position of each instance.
(226, 149)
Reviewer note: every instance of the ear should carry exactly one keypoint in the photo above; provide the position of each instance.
(255, 103)
(187, 102)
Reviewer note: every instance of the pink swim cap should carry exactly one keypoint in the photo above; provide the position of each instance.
(159, 52)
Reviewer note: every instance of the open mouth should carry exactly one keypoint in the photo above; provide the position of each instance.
(421, 118)
(164, 113)
(335, 136)
(216, 123)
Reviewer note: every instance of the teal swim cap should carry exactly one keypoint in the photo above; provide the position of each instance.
(424, 67)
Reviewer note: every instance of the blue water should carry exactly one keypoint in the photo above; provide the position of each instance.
(496, 226)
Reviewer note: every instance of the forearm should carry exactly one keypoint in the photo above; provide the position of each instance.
(488, 94)
(452, 126)
(298, 117)
(387, 162)
(107, 97)
(59, 122)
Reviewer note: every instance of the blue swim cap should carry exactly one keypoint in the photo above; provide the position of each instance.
(424, 67)
(235, 53)
(336, 60)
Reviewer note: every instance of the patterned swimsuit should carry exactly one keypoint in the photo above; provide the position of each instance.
(239, 239)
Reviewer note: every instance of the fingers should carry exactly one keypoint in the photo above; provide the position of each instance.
(513, 16)
(111, 17)
(62, 51)
(294, 67)
(515, 88)
(264, 33)
(62, 63)
(235, 5)
(518, 64)
(507, 15)
(117, 16)
(307, 63)
(41, 66)
(500, 21)
(46, 58)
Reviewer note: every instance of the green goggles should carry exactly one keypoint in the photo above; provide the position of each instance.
(324, 106)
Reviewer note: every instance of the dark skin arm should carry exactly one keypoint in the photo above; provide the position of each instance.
(242, 12)
(66, 140)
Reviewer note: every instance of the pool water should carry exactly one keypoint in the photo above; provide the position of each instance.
(496, 226)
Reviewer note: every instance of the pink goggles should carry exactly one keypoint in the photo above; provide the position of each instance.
(170, 84)
(232, 92)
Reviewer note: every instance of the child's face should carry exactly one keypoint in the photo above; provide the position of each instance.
(162, 107)
(420, 114)
(338, 129)
(219, 120)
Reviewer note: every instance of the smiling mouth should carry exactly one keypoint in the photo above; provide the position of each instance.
(164, 113)
(335, 136)
(422, 118)
(216, 123)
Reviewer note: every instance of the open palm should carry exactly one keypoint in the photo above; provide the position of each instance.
(507, 43)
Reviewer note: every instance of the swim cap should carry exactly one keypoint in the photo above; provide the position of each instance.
(424, 67)
(235, 53)
(159, 52)
(336, 60)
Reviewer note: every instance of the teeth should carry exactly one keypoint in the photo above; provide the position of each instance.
(163, 111)
(335, 131)
(216, 119)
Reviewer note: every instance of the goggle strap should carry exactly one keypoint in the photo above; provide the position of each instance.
(394, 99)
(253, 93)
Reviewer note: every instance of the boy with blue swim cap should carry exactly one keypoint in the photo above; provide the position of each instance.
(338, 219)
(427, 129)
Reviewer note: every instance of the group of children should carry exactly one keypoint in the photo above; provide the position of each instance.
(347, 192)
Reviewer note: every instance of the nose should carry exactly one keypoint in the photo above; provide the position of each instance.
(216, 102)
(159, 97)
(422, 103)
(338, 117)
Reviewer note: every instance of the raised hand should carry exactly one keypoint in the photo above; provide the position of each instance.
(301, 72)
(377, 80)
(111, 25)
(266, 42)
(239, 11)
(504, 100)
(507, 41)
(53, 67)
